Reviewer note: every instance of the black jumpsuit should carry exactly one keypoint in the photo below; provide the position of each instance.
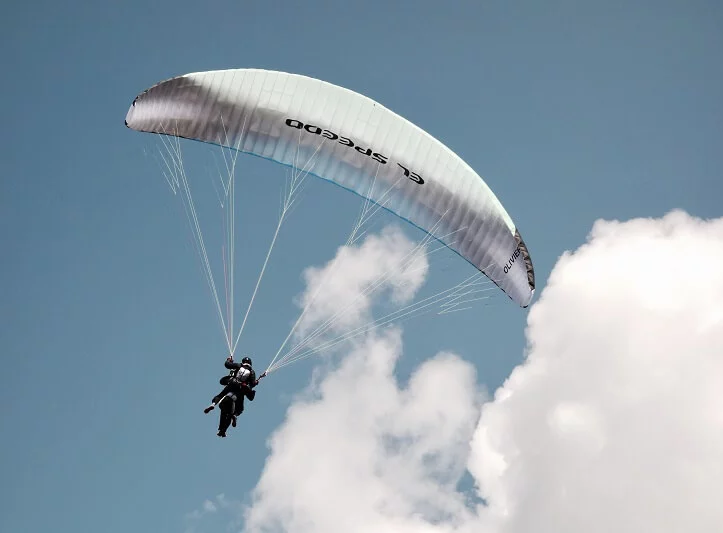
(240, 383)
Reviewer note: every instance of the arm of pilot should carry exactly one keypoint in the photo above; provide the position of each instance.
(231, 364)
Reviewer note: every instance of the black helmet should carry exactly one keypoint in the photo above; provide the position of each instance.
(246, 361)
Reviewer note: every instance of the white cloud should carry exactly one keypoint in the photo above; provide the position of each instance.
(344, 290)
(613, 423)
(213, 514)
(209, 506)
(360, 452)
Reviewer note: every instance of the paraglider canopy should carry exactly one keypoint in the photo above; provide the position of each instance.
(348, 139)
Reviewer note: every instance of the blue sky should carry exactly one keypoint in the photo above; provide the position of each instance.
(572, 111)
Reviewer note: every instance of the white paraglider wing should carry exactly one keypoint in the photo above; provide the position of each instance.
(353, 141)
